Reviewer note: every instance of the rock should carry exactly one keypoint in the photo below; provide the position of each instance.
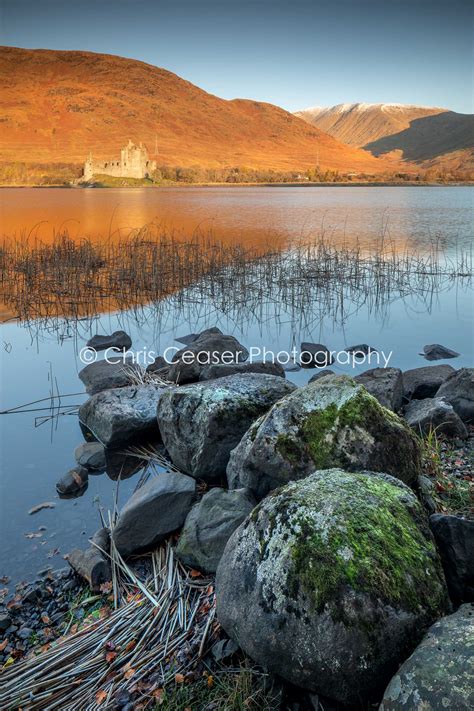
(291, 367)
(439, 674)
(91, 566)
(159, 365)
(119, 465)
(315, 355)
(426, 491)
(207, 349)
(385, 384)
(104, 375)
(91, 456)
(434, 413)
(201, 423)
(117, 417)
(73, 482)
(223, 649)
(454, 537)
(101, 538)
(436, 352)
(458, 390)
(221, 370)
(361, 350)
(419, 383)
(332, 422)
(191, 337)
(209, 525)
(5, 621)
(331, 582)
(155, 510)
(119, 340)
(320, 374)
(25, 632)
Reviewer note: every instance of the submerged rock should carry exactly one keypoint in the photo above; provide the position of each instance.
(385, 384)
(440, 673)
(320, 374)
(209, 525)
(208, 349)
(221, 370)
(331, 581)
(201, 423)
(118, 340)
(155, 510)
(361, 350)
(434, 414)
(454, 537)
(332, 422)
(91, 456)
(437, 352)
(419, 383)
(458, 390)
(117, 417)
(104, 375)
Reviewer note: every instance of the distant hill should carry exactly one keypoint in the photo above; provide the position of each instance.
(58, 105)
(428, 136)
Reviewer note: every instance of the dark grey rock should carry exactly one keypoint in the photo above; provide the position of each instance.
(101, 538)
(458, 390)
(221, 370)
(5, 621)
(207, 349)
(454, 537)
(332, 422)
(201, 423)
(361, 350)
(299, 587)
(440, 673)
(119, 465)
(223, 649)
(118, 340)
(120, 416)
(91, 456)
(24, 632)
(90, 565)
(385, 384)
(73, 482)
(434, 413)
(419, 383)
(426, 492)
(320, 374)
(291, 367)
(155, 510)
(191, 337)
(159, 365)
(209, 525)
(315, 355)
(104, 375)
(437, 352)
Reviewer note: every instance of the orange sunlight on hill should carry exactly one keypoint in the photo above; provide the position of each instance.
(59, 105)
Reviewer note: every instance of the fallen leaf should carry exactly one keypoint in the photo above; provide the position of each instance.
(106, 587)
(3, 645)
(39, 507)
(129, 673)
(45, 619)
(210, 681)
(33, 535)
(100, 696)
(179, 678)
(130, 645)
(9, 662)
(195, 573)
(110, 656)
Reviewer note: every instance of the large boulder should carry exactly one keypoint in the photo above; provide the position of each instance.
(419, 383)
(454, 537)
(105, 374)
(385, 384)
(118, 340)
(331, 581)
(221, 370)
(434, 413)
(440, 673)
(210, 524)
(201, 423)
(332, 422)
(207, 349)
(458, 390)
(120, 416)
(155, 510)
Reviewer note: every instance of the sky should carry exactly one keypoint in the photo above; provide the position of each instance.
(293, 53)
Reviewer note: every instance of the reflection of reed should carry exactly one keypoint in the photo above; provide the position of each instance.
(69, 282)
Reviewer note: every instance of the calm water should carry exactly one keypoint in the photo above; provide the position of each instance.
(34, 456)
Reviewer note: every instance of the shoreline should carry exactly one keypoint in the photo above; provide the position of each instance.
(349, 184)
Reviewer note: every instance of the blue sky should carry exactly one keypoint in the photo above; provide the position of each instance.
(295, 54)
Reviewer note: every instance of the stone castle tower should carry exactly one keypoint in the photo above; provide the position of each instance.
(134, 163)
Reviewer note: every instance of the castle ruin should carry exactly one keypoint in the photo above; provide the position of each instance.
(134, 163)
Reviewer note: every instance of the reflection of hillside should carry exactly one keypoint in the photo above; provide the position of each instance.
(429, 137)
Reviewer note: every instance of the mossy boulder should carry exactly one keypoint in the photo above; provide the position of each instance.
(440, 673)
(331, 582)
(331, 422)
(201, 423)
